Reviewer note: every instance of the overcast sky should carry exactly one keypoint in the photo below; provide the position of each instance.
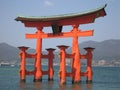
(13, 32)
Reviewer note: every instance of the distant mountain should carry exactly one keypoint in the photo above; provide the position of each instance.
(8, 53)
(105, 50)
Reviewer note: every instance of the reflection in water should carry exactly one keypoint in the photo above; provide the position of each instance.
(37, 85)
(62, 87)
(51, 85)
(45, 85)
(89, 86)
(22, 85)
(76, 87)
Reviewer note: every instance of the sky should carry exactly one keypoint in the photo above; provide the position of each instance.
(13, 32)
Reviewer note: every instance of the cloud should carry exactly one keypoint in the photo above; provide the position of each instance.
(110, 0)
(48, 3)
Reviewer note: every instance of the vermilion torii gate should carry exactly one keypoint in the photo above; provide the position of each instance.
(57, 22)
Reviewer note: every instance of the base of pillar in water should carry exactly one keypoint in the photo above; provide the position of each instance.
(50, 79)
(76, 82)
(22, 80)
(88, 81)
(37, 80)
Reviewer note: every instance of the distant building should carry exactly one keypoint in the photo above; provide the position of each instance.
(101, 62)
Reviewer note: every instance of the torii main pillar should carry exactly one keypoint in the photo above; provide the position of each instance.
(76, 66)
(38, 70)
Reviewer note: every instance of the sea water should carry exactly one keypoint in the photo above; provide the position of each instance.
(104, 78)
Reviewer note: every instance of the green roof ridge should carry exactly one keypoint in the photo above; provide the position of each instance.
(64, 15)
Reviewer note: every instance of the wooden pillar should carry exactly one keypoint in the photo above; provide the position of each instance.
(62, 71)
(76, 66)
(50, 63)
(23, 63)
(38, 70)
(89, 64)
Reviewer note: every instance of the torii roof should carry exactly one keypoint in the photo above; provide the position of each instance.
(64, 19)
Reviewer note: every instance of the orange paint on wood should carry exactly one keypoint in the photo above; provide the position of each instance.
(76, 66)
(75, 20)
(62, 64)
(38, 71)
(50, 63)
(23, 63)
(89, 63)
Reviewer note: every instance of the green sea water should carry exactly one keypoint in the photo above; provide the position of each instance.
(104, 78)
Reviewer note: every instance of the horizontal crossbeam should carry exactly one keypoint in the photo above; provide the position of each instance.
(61, 35)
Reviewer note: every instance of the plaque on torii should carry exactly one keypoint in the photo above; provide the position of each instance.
(56, 22)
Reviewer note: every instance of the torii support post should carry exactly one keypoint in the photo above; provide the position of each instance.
(50, 63)
(62, 71)
(23, 63)
(89, 56)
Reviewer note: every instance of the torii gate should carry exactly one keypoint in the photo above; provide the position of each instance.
(57, 22)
